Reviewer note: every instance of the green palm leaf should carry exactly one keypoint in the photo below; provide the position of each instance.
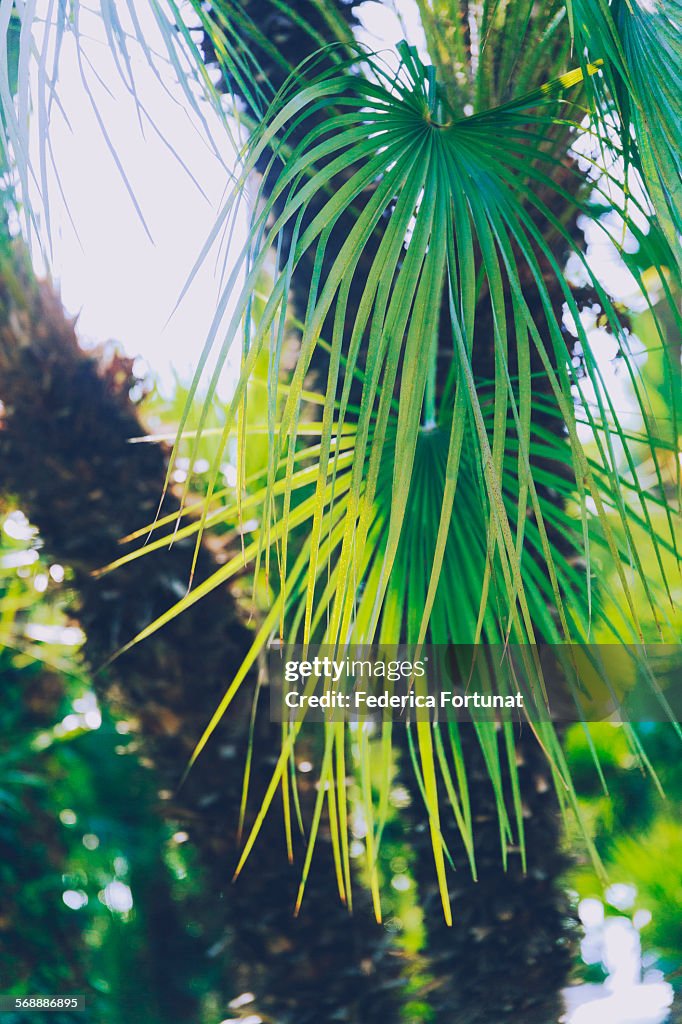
(641, 43)
(428, 510)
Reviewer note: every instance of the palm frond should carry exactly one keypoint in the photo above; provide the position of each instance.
(425, 509)
(641, 43)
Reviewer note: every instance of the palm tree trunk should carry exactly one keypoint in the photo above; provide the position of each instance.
(509, 951)
(64, 451)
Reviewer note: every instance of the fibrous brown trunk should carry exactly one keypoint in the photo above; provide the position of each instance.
(64, 452)
(510, 950)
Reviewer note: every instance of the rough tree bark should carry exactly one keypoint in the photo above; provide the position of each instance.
(64, 452)
(509, 953)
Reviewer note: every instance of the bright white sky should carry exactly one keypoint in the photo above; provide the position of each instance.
(122, 284)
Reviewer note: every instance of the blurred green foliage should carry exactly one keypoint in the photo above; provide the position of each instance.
(97, 890)
(636, 829)
(634, 817)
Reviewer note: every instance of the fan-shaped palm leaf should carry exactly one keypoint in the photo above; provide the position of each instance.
(414, 483)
